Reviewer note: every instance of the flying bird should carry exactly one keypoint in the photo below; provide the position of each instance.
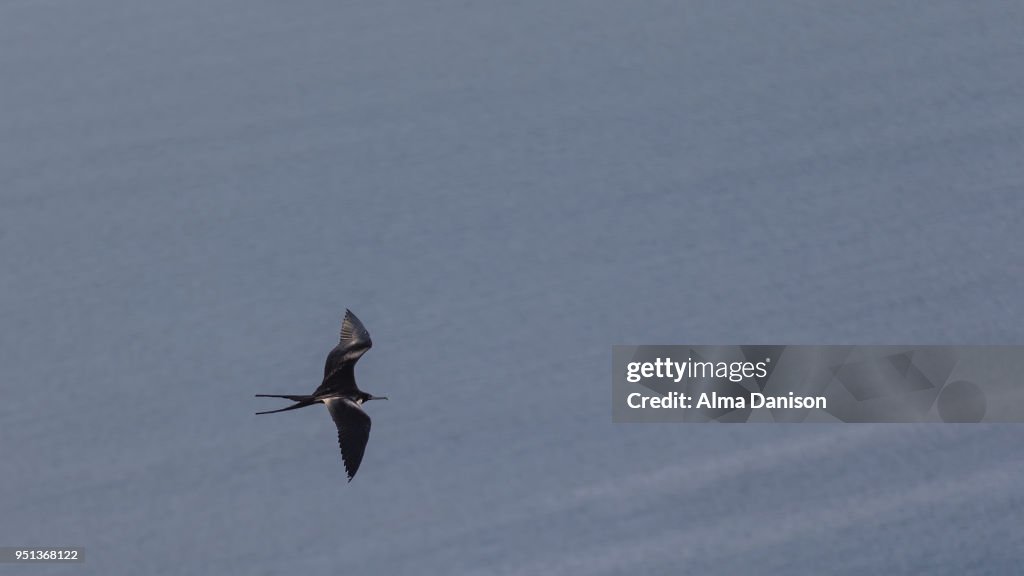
(339, 392)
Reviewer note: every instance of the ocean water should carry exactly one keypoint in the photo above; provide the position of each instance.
(191, 193)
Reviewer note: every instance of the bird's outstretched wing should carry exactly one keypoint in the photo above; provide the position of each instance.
(338, 370)
(353, 334)
(353, 431)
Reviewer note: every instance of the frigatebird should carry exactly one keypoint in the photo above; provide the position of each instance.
(339, 392)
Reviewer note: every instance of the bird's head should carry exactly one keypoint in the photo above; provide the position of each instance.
(367, 397)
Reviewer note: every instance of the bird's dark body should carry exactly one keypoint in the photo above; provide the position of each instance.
(339, 392)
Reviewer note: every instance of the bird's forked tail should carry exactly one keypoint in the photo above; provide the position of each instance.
(300, 402)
